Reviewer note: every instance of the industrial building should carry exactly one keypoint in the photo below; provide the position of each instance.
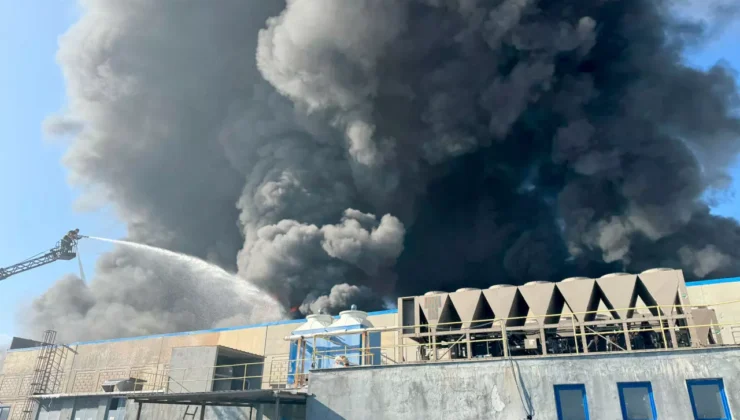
(628, 346)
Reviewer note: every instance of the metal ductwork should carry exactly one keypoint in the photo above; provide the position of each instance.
(469, 310)
(467, 302)
(123, 385)
(506, 301)
(581, 295)
(662, 285)
(618, 293)
(431, 305)
(544, 300)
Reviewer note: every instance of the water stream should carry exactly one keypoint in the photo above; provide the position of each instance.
(214, 287)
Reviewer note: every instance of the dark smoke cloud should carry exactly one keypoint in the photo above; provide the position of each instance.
(341, 297)
(307, 258)
(336, 149)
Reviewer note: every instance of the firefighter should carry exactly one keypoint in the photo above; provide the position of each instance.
(69, 239)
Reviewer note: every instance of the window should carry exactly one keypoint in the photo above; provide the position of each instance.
(636, 399)
(708, 400)
(570, 401)
(4, 412)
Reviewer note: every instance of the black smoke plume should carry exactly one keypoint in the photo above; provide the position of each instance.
(340, 148)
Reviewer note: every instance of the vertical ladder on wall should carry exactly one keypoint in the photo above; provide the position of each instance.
(45, 374)
(53, 373)
(43, 371)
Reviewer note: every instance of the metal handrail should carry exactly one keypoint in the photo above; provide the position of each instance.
(159, 377)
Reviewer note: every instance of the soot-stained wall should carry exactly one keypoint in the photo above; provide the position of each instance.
(476, 390)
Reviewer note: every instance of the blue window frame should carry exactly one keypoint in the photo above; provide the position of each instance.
(4, 412)
(571, 403)
(636, 399)
(708, 399)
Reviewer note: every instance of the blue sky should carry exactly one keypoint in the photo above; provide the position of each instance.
(37, 203)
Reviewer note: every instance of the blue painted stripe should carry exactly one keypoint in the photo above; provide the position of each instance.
(715, 281)
(188, 333)
(297, 321)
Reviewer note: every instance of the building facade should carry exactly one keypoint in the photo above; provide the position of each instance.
(249, 372)
(640, 385)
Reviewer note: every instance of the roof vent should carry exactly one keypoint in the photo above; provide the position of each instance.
(656, 270)
(614, 275)
(574, 279)
(315, 322)
(466, 289)
(352, 318)
(434, 292)
(123, 385)
(536, 282)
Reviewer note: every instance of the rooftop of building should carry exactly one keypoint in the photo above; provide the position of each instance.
(301, 320)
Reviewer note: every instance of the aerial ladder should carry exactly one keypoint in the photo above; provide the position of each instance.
(66, 249)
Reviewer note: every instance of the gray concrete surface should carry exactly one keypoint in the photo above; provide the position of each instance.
(95, 408)
(170, 412)
(191, 369)
(56, 409)
(488, 389)
(83, 408)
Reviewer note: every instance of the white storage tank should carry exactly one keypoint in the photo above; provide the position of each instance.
(351, 319)
(315, 322)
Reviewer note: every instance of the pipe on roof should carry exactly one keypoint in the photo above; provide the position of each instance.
(339, 332)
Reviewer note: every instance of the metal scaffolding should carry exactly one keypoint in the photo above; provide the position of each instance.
(46, 374)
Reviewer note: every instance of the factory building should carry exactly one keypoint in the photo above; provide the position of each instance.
(624, 346)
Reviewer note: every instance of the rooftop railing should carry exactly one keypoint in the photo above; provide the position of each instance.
(653, 328)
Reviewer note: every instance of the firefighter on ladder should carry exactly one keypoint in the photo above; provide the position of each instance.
(69, 239)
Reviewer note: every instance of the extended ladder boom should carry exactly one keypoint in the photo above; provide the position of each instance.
(66, 249)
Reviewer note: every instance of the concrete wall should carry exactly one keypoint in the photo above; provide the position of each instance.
(172, 412)
(708, 293)
(477, 390)
(89, 364)
(56, 409)
(389, 353)
(95, 408)
(83, 408)
(191, 369)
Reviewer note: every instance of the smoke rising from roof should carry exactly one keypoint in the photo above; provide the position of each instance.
(332, 148)
(340, 298)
